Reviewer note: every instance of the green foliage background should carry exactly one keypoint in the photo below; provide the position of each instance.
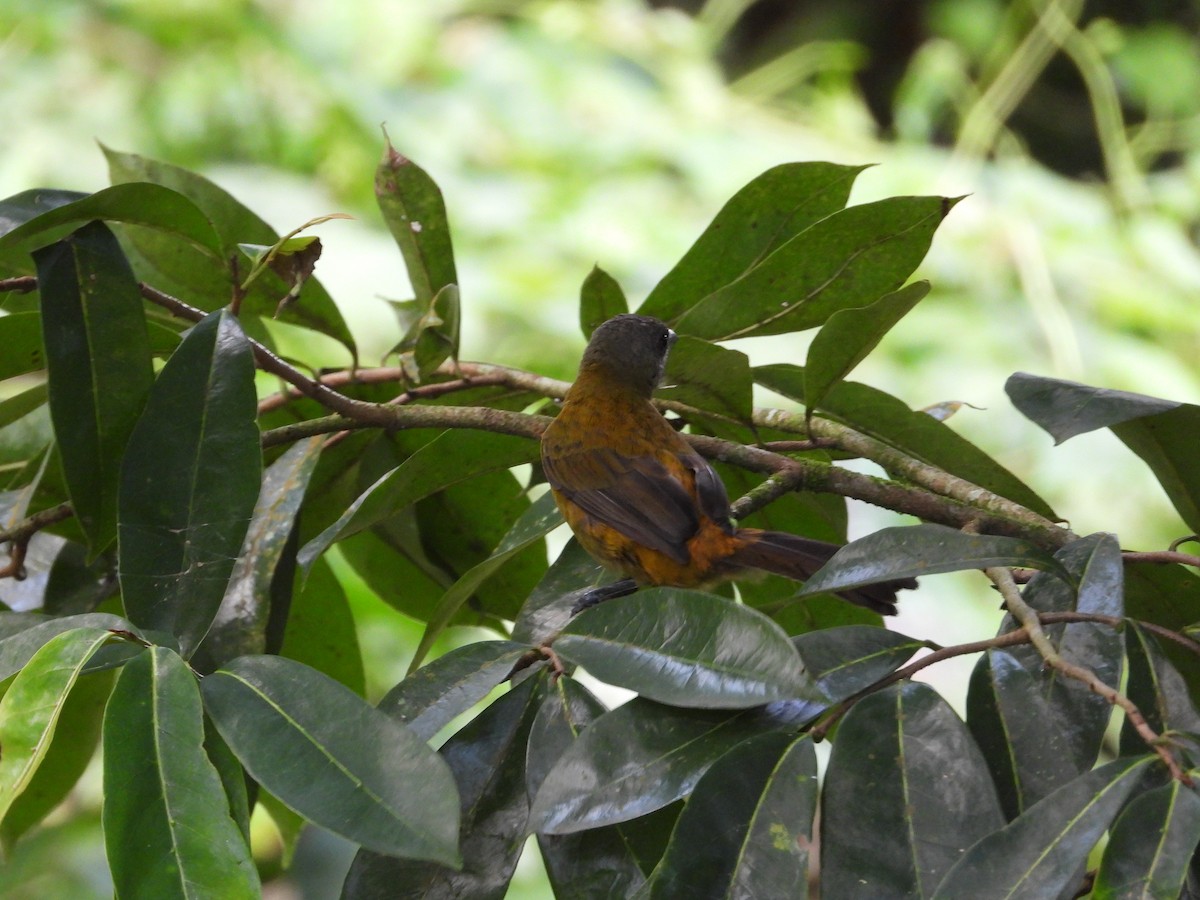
(566, 134)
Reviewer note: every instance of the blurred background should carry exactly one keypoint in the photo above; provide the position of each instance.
(568, 133)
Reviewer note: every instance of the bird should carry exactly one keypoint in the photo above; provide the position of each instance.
(641, 500)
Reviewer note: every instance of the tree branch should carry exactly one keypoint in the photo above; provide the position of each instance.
(22, 284)
(22, 533)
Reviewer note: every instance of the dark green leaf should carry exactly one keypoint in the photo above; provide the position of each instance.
(27, 205)
(762, 216)
(634, 760)
(334, 759)
(842, 661)
(850, 335)
(21, 338)
(430, 332)
(240, 625)
(320, 629)
(451, 457)
(916, 433)
(686, 648)
(600, 299)
(1041, 853)
(848, 259)
(74, 586)
(488, 759)
(1167, 444)
(164, 801)
(31, 634)
(1156, 688)
(1168, 596)
(1151, 845)
(432, 696)
(903, 766)
(189, 483)
(98, 357)
(912, 550)
(711, 378)
(548, 608)
(752, 813)
(232, 775)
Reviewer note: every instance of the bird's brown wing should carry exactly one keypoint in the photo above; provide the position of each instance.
(639, 496)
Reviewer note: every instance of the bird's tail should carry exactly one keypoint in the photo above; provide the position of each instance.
(796, 557)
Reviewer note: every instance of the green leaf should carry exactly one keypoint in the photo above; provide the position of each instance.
(913, 432)
(547, 610)
(711, 378)
(415, 213)
(1161, 432)
(167, 824)
(1041, 853)
(752, 812)
(30, 635)
(1168, 596)
(453, 456)
(1156, 688)
(30, 709)
(430, 332)
(98, 357)
(904, 766)
(910, 550)
(848, 259)
(76, 735)
(334, 759)
(850, 335)
(592, 865)
(189, 483)
(1151, 845)
(488, 759)
(432, 696)
(634, 760)
(21, 338)
(148, 205)
(177, 268)
(240, 625)
(320, 629)
(686, 648)
(600, 299)
(20, 405)
(842, 661)
(762, 216)
(535, 523)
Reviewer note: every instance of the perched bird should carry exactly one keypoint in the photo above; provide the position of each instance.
(640, 499)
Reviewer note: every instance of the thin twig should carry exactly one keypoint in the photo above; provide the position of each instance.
(1161, 556)
(22, 284)
(22, 533)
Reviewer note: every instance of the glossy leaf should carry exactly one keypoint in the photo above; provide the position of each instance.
(752, 813)
(1041, 853)
(432, 696)
(904, 766)
(1161, 432)
(1156, 688)
(711, 378)
(535, 523)
(240, 624)
(189, 483)
(98, 357)
(334, 759)
(175, 267)
(487, 758)
(913, 550)
(21, 338)
(762, 216)
(547, 610)
(843, 661)
(916, 433)
(1168, 596)
(600, 299)
(686, 648)
(450, 458)
(31, 634)
(30, 709)
(634, 760)
(848, 259)
(163, 798)
(850, 335)
(592, 865)
(1151, 845)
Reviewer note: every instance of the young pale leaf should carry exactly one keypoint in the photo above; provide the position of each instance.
(189, 482)
(849, 335)
(687, 648)
(22, 404)
(903, 765)
(634, 760)
(846, 260)
(752, 812)
(98, 358)
(1161, 432)
(600, 299)
(430, 698)
(765, 214)
(1151, 845)
(842, 661)
(1039, 854)
(163, 799)
(30, 709)
(488, 760)
(334, 759)
(914, 550)
(31, 634)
